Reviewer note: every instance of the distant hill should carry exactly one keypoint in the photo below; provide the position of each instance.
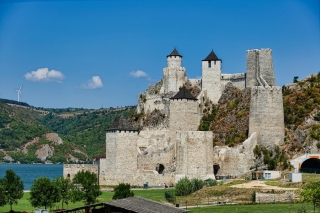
(33, 134)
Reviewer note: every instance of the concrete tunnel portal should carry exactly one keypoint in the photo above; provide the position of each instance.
(311, 165)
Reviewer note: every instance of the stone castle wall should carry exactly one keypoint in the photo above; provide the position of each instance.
(184, 115)
(237, 79)
(174, 75)
(266, 115)
(211, 80)
(235, 161)
(194, 154)
(70, 170)
(259, 64)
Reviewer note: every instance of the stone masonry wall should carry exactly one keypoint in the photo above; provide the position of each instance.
(266, 115)
(211, 80)
(237, 160)
(194, 154)
(184, 115)
(174, 75)
(237, 79)
(266, 66)
(70, 170)
(286, 197)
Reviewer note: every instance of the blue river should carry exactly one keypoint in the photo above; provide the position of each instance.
(29, 172)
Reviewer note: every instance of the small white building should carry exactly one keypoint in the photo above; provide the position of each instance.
(266, 174)
(295, 177)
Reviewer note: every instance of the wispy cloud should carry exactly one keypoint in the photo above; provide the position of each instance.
(138, 74)
(94, 83)
(43, 74)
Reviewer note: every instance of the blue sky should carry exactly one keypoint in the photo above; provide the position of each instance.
(83, 53)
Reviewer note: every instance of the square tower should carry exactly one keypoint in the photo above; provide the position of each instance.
(211, 76)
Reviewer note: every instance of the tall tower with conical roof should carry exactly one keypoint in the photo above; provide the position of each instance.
(174, 75)
(211, 76)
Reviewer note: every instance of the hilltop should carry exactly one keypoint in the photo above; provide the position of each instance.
(32, 134)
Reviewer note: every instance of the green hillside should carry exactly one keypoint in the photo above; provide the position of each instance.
(24, 130)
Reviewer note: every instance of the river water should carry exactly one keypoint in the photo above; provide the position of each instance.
(29, 172)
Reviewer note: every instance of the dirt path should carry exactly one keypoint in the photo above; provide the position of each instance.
(260, 185)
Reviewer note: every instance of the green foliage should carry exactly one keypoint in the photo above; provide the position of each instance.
(311, 193)
(208, 117)
(253, 197)
(185, 186)
(122, 191)
(2, 194)
(12, 186)
(317, 116)
(234, 104)
(44, 193)
(295, 79)
(240, 113)
(170, 196)
(66, 190)
(315, 132)
(211, 182)
(89, 188)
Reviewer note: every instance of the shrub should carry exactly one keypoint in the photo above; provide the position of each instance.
(170, 197)
(212, 182)
(183, 187)
(197, 184)
(122, 191)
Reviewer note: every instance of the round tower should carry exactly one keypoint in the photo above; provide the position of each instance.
(174, 75)
(211, 76)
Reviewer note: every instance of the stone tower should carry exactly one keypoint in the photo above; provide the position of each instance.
(260, 68)
(174, 75)
(211, 76)
(184, 113)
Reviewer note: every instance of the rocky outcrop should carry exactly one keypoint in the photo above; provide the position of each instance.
(45, 152)
(231, 124)
(54, 137)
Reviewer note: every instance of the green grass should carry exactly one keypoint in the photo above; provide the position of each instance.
(262, 208)
(24, 205)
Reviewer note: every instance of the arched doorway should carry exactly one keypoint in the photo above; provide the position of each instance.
(312, 165)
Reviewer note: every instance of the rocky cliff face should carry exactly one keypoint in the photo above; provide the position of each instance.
(231, 123)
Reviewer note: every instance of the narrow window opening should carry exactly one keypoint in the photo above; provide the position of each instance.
(209, 64)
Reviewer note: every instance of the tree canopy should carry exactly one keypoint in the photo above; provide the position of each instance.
(66, 188)
(12, 187)
(122, 191)
(87, 187)
(311, 193)
(44, 193)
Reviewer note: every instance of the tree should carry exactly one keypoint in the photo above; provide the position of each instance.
(43, 192)
(88, 188)
(311, 193)
(295, 79)
(183, 187)
(12, 185)
(66, 188)
(122, 191)
(2, 193)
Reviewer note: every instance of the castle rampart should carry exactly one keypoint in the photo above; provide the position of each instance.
(266, 115)
(237, 79)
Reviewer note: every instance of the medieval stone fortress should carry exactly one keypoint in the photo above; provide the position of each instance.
(173, 147)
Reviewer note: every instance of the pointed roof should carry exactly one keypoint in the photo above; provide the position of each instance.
(174, 53)
(184, 94)
(211, 57)
(121, 123)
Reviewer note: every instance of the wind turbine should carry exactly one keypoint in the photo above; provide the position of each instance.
(19, 93)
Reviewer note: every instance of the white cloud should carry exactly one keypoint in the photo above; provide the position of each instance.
(94, 83)
(138, 74)
(43, 74)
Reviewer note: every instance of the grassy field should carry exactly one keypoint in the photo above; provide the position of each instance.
(24, 205)
(263, 208)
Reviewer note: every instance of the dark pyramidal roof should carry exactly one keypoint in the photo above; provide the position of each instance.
(122, 124)
(211, 57)
(143, 205)
(174, 53)
(184, 94)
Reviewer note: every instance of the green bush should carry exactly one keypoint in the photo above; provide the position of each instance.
(122, 191)
(170, 197)
(185, 186)
(212, 182)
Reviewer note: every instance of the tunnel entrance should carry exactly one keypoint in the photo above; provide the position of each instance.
(312, 165)
(160, 168)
